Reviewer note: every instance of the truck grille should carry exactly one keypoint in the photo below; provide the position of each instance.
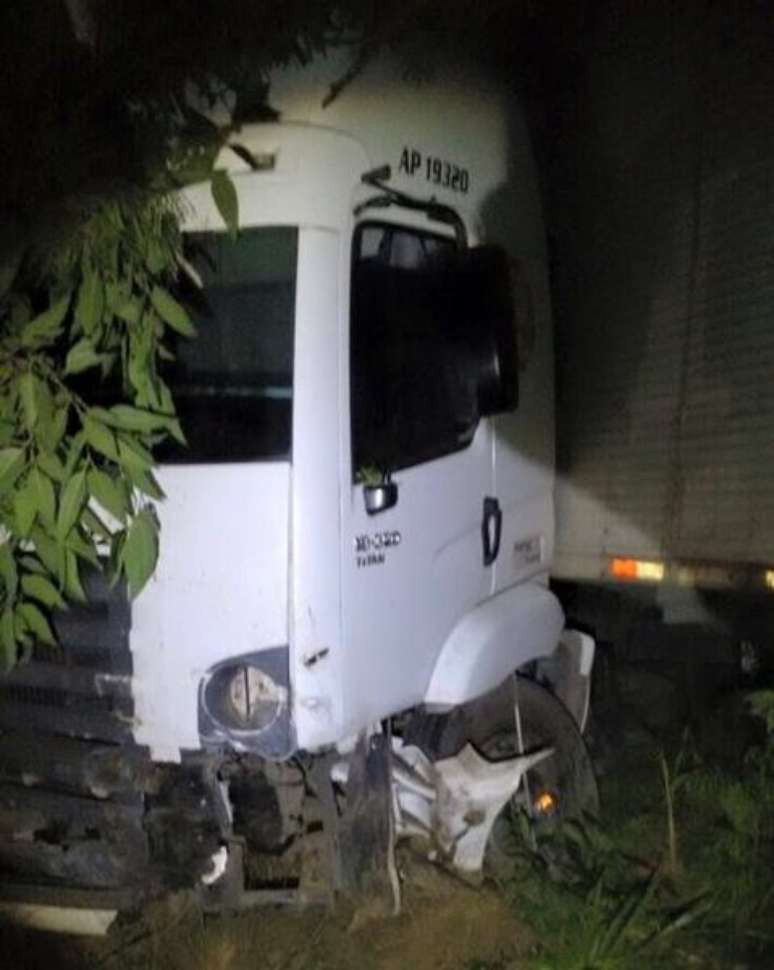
(71, 779)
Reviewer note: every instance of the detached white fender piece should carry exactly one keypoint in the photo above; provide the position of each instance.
(491, 641)
(568, 670)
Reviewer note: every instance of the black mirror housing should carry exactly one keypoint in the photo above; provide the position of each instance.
(486, 301)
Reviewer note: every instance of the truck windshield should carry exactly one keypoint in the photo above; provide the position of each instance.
(233, 384)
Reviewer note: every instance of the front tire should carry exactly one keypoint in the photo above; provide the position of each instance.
(559, 789)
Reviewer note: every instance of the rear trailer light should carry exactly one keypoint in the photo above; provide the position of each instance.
(693, 574)
(642, 570)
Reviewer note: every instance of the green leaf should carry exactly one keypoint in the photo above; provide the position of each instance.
(45, 496)
(108, 494)
(82, 547)
(115, 293)
(8, 647)
(116, 550)
(140, 419)
(25, 508)
(36, 622)
(91, 303)
(156, 258)
(171, 312)
(133, 456)
(224, 195)
(74, 453)
(11, 466)
(51, 432)
(29, 393)
(140, 551)
(47, 551)
(47, 326)
(100, 438)
(52, 466)
(129, 309)
(44, 404)
(8, 571)
(82, 356)
(139, 367)
(175, 429)
(42, 589)
(147, 484)
(72, 578)
(7, 428)
(32, 565)
(71, 503)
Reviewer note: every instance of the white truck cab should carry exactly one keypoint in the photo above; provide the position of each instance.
(351, 335)
(356, 543)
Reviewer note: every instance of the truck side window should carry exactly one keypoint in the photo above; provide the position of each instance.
(233, 384)
(412, 384)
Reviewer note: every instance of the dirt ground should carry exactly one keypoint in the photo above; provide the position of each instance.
(444, 925)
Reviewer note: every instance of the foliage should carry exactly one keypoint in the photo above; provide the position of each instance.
(87, 317)
(601, 910)
(370, 475)
(732, 851)
(82, 404)
(621, 896)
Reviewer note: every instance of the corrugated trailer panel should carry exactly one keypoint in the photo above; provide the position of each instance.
(665, 333)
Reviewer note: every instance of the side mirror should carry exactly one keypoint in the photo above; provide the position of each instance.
(485, 308)
(379, 497)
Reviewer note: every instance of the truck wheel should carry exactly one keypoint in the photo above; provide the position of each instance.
(558, 789)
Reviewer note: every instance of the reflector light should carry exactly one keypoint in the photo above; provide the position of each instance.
(768, 578)
(636, 569)
(545, 803)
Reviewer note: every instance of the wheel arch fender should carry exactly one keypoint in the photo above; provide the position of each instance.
(492, 640)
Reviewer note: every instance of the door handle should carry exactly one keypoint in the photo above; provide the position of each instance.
(491, 529)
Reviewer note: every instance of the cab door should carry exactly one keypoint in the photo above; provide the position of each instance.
(413, 568)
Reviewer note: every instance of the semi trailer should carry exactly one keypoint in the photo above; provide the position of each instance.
(663, 276)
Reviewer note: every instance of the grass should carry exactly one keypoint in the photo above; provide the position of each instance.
(680, 875)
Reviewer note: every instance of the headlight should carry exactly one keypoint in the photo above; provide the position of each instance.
(244, 703)
(254, 699)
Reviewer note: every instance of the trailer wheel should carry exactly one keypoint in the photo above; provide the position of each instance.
(561, 788)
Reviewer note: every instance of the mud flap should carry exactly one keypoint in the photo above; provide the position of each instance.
(367, 826)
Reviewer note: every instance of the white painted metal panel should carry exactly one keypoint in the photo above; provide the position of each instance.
(220, 590)
(398, 613)
(524, 442)
(316, 647)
